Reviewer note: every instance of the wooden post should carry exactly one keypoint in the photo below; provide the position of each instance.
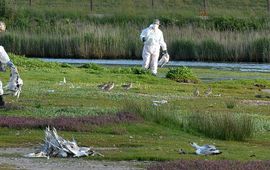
(91, 5)
(30, 2)
(268, 6)
(152, 3)
(205, 6)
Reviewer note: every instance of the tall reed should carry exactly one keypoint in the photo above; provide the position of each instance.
(80, 40)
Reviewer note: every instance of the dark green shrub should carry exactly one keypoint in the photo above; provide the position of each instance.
(237, 24)
(230, 104)
(182, 74)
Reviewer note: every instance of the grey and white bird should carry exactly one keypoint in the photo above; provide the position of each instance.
(196, 92)
(205, 149)
(127, 86)
(208, 92)
(181, 151)
(108, 87)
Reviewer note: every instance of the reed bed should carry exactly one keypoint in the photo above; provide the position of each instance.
(122, 42)
(111, 30)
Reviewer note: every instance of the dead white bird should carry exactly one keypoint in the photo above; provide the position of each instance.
(164, 60)
(61, 83)
(56, 146)
(208, 92)
(205, 149)
(217, 95)
(15, 82)
(159, 102)
(127, 86)
(196, 92)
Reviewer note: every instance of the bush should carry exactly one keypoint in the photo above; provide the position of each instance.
(223, 126)
(182, 74)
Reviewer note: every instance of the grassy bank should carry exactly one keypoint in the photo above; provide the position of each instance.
(163, 129)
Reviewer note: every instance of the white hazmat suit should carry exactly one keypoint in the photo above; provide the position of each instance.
(15, 82)
(153, 39)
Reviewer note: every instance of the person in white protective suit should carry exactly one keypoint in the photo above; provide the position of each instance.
(153, 39)
(15, 82)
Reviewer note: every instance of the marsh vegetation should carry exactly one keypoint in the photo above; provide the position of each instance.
(129, 120)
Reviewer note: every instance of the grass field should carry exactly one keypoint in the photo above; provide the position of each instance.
(182, 7)
(157, 137)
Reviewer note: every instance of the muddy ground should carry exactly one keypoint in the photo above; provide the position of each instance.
(12, 158)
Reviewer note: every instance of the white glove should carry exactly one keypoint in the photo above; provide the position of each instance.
(164, 59)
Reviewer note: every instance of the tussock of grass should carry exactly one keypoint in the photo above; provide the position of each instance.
(182, 74)
(163, 114)
(225, 126)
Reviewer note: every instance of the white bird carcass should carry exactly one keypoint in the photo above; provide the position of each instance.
(205, 149)
(56, 146)
(159, 102)
(164, 60)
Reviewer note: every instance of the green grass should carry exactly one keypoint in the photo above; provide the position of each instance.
(226, 7)
(160, 132)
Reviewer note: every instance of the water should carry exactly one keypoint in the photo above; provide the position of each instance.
(243, 67)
